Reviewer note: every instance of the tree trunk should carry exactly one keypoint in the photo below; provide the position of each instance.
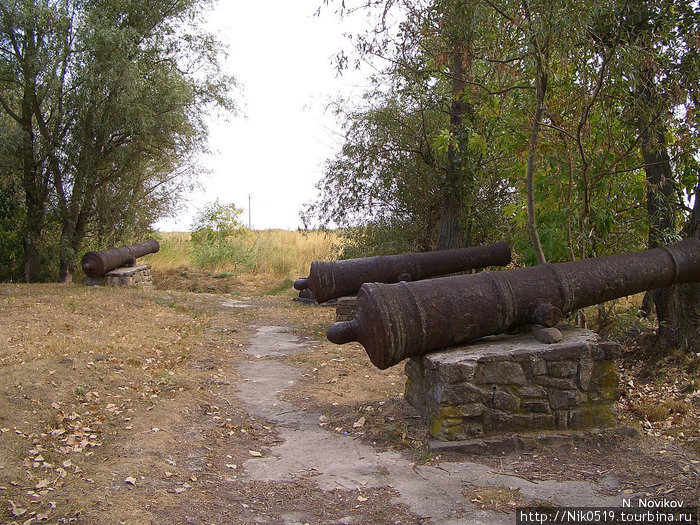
(35, 188)
(677, 307)
(72, 234)
(451, 232)
(685, 299)
(541, 79)
(35, 200)
(661, 208)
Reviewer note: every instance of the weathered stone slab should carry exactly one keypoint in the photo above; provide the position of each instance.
(547, 335)
(139, 275)
(521, 441)
(562, 368)
(345, 308)
(500, 373)
(512, 383)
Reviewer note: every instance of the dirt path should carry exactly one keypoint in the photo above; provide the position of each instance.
(341, 463)
(217, 410)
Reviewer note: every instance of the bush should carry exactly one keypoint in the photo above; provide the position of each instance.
(217, 237)
(383, 238)
(216, 223)
(224, 252)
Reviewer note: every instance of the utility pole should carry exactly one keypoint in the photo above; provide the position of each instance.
(250, 224)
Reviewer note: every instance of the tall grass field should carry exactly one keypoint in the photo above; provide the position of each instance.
(252, 261)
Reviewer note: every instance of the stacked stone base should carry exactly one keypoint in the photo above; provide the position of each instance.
(514, 383)
(139, 275)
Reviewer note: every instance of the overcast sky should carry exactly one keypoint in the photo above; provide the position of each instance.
(282, 55)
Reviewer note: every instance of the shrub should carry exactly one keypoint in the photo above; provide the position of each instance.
(216, 223)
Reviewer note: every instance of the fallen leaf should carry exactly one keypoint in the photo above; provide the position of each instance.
(130, 481)
(42, 484)
(359, 423)
(361, 498)
(16, 511)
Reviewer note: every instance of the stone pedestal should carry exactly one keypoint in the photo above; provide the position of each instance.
(139, 275)
(515, 383)
(345, 308)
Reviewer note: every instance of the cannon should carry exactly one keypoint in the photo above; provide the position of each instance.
(96, 264)
(332, 279)
(396, 321)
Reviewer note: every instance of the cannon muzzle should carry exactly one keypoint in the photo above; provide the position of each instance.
(396, 321)
(99, 263)
(332, 279)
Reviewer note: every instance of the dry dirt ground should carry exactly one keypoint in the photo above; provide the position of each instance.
(152, 406)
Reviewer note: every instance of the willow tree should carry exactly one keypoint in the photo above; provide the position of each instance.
(433, 79)
(661, 69)
(110, 96)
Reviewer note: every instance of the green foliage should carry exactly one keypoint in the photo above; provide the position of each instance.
(396, 170)
(216, 223)
(11, 221)
(218, 236)
(104, 103)
(388, 185)
(222, 252)
(381, 238)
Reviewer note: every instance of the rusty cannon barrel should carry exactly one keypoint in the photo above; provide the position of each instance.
(99, 263)
(396, 321)
(332, 279)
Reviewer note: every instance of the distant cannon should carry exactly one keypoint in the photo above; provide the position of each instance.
(332, 279)
(396, 321)
(96, 264)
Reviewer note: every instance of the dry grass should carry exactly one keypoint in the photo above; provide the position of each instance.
(258, 262)
(495, 497)
(118, 406)
(81, 370)
(280, 253)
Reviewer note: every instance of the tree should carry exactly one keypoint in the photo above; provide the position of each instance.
(581, 114)
(28, 52)
(110, 96)
(663, 34)
(216, 222)
(429, 118)
(386, 185)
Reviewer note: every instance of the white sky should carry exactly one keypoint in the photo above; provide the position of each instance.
(281, 54)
